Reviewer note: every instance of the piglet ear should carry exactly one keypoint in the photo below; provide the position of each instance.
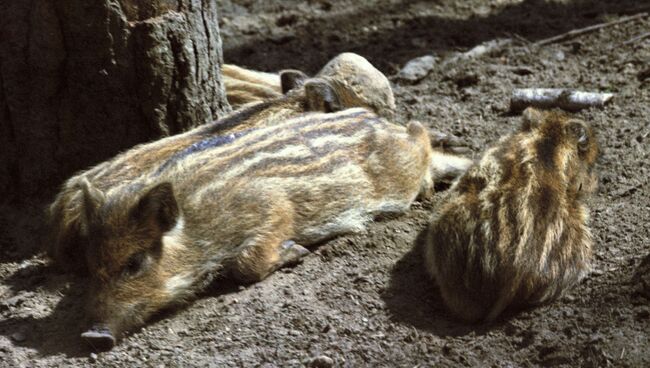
(321, 96)
(157, 208)
(93, 199)
(531, 118)
(580, 132)
(291, 79)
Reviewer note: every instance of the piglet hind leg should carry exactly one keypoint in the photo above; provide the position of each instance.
(262, 257)
(268, 247)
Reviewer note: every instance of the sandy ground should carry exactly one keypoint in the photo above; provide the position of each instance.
(364, 300)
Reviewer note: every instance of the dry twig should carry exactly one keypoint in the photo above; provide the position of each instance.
(636, 39)
(577, 32)
(566, 99)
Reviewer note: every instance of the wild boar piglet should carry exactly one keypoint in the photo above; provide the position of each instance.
(354, 80)
(244, 205)
(513, 230)
(302, 95)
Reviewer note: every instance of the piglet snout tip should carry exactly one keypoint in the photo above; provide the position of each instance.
(99, 337)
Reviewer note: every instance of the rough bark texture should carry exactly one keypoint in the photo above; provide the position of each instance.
(82, 80)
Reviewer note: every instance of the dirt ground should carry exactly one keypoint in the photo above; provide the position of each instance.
(364, 300)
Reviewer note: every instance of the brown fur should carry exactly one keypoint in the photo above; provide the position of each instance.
(66, 235)
(265, 110)
(356, 84)
(244, 86)
(244, 207)
(513, 229)
(359, 83)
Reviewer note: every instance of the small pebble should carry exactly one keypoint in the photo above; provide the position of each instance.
(92, 357)
(597, 273)
(570, 298)
(596, 339)
(321, 361)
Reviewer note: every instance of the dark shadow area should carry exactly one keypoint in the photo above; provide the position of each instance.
(59, 332)
(641, 279)
(56, 333)
(412, 298)
(378, 32)
(22, 230)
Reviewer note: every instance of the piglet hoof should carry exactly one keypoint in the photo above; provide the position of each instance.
(99, 337)
(291, 253)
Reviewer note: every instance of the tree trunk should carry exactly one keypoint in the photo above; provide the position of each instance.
(81, 80)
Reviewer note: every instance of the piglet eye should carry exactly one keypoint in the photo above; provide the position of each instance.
(134, 264)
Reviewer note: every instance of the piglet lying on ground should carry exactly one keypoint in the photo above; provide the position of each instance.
(244, 204)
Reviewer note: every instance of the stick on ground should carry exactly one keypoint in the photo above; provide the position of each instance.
(566, 99)
(577, 32)
(636, 39)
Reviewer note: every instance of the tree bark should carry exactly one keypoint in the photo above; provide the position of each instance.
(81, 80)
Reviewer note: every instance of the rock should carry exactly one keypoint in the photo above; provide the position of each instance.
(416, 69)
(322, 361)
(92, 358)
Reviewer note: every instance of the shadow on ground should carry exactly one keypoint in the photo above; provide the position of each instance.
(22, 231)
(412, 298)
(306, 44)
(59, 331)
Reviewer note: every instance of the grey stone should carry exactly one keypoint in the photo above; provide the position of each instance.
(321, 361)
(418, 68)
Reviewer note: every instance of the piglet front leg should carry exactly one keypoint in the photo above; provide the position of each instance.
(99, 337)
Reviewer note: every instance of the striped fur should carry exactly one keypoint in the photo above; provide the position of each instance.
(63, 214)
(262, 108)
(66, 235)
(245, 206)
(245, 86)
(513, 229)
